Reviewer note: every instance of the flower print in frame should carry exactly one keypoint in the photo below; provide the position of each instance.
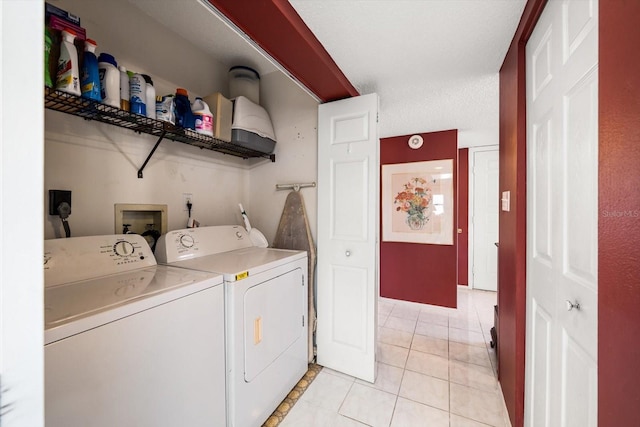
(417, 202)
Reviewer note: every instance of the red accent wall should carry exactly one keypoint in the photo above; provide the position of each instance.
(463, 216)
(619, 219)
(417, 272)
(512, 228)
(279, 30)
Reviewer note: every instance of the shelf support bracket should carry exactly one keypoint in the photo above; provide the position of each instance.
(151, 154)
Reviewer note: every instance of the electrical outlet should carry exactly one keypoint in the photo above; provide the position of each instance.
(56, 197)
(186, 198)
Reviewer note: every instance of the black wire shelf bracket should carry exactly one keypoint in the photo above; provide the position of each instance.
(92, 110)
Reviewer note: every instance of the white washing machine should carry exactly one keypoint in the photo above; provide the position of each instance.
(128, 342)
(266, 310)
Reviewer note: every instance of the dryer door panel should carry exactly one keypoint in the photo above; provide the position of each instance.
(273, 320)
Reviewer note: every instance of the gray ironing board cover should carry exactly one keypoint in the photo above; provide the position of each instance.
(294, 233)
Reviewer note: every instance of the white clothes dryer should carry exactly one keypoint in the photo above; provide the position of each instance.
(128, 342)
(266, 310)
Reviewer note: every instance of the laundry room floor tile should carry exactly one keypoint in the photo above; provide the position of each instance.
(434, 363)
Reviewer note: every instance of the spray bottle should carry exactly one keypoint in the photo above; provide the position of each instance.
(68, 74)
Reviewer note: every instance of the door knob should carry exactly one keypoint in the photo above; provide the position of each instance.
(572, 305)
(347, 253)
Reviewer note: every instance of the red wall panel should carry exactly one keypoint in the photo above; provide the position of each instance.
(417, 272)
(512, 228)
(463, 216)
(619, 219)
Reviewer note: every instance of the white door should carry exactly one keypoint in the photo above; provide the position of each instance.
(562, 216)
(484, 217)
(21, 215)
(348, 223)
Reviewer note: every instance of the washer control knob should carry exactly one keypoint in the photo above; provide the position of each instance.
(238, 235)
(123, 248)
(348, 253)
(187, 241)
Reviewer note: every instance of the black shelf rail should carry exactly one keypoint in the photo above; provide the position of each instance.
(93, 110)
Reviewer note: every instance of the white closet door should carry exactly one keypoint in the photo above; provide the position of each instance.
(486, 167)
(348, 224)
(562, 216)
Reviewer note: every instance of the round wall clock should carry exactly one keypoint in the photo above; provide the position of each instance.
(415, 142)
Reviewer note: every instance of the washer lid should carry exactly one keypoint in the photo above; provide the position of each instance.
(78, 306)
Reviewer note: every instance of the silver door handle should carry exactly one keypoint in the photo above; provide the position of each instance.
(347, 253)
(572, 305)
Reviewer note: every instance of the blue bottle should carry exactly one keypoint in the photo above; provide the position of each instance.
(184, 116)
(89, 76)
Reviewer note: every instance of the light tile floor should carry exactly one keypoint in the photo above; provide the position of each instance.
(435, 368)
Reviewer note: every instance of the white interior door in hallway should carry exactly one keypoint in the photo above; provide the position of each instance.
(484, 167)
(348, 229)
(562, 216)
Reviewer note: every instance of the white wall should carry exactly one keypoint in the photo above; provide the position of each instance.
(99, 164)
(294, 114)
(21, 247)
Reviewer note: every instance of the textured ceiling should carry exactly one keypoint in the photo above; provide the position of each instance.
(434, 63)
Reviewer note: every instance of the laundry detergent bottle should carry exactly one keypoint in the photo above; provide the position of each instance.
(150, 97)
(109, 80)
(90, 78)
(203, 117)
(138, 94)
(48, 41)
(68, 72)
(124, 88)
(184, 116)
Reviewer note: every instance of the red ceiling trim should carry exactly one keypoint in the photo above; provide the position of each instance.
(278, 29)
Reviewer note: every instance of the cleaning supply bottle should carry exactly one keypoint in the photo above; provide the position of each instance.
(90, 78)
(150, 97)
(184, 116)
(138, 94)
(109, 80)
(165, 109)
(124, 88)
(68, 72)
(203, 117)
(48, 41)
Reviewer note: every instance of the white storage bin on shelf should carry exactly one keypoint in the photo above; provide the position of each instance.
(251, 127)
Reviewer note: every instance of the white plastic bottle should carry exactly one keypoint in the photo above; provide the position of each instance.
(138, 94)
(109, 80)
(124, 88)
(203, 117)
(150, 97)
(68, 74)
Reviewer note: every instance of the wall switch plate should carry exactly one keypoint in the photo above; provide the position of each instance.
(506, 201)
(56, 197)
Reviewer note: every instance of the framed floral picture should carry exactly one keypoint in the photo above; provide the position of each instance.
(417, 202)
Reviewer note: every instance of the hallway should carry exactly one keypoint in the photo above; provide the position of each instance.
(435, 368)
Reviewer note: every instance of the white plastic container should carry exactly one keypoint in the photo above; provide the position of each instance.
(251, 127)
(138, 95)
(68, 74)
(244, 81)
(109, 80)
(124, 88)
(150, 96)
(203, 117)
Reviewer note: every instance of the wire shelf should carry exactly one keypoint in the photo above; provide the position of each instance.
(93, 110)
